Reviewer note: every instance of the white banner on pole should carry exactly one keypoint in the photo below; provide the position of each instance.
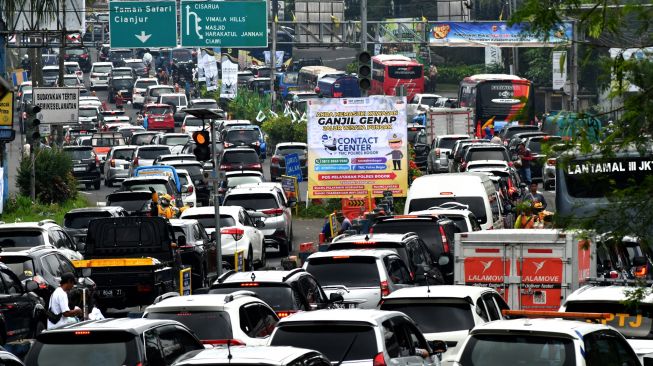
(493, 55)
(559, 67)
(229, 87)
(278, 58)
(58, 105)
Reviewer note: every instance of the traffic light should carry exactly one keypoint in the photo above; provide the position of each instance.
(32, 121)
(364, 70)
(202, 151)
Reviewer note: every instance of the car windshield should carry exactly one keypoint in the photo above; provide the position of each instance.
(85, 142)
(153, 152)
(208, 221)
(88, 112)
(195, 122)
(143, 84)
(123, 154)
(131, 205)
(635, 322)
(239, 157)
(347, 271)
(156, 92)
(206, 105)
(171, 99)
(71, 69)
(118, 55)
(446, 143)
(158, 110)
(194, 170)
(460, 222)
(520, 349)
(71, 82)
(80, 220)
(175, 140)
(104, 69)
(412, 132)
(144, 186)
(330, 340)
(234, 181)
(207, 325)
(535, 145)
(122, 84)
(260, 201)
(429, 101)
(79, 154)
(435, 316)
(97, 348)
(246, 136)
(291, 149)
(279, 297)
(290, 78)
(487, 154)
(21, 266)
(135, 65)
(427, 230)
(20, 238)
(50, 72)
(405, 72)
(75, 51)
(512, 131)
(142, 139)
(107, 141)
(476, 204)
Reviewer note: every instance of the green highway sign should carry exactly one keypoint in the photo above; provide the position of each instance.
(224, 23)
(137, 24)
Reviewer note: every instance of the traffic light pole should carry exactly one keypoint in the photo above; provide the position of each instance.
(216, 198)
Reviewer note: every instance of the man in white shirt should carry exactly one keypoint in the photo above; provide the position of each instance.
(59, 301)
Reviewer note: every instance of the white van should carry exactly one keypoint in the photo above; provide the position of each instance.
(474, 190)
(100, 74)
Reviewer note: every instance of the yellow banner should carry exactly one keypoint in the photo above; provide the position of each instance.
(7, 110)
(113, 262)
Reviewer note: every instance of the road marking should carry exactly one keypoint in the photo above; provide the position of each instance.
(86, 193)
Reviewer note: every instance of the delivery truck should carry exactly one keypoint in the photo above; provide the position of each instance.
(533, 269)
(448, 121)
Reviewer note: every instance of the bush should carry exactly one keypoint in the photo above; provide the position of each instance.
(282, 129)
(247, 105)
(54, 179)
(21, 208)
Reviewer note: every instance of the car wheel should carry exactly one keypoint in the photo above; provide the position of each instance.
(264, 260)
(109, 183)
(97, 184)
(87, 185)
(249, 261)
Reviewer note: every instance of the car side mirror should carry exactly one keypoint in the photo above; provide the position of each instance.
(31, 286)
(80, 246)
(438, 347)
(335, 297)
(181, 241)
(259, 224)
(443, 260)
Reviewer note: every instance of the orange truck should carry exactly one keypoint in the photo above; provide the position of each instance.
(533, 269)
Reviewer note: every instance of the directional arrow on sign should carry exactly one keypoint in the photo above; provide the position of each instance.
(143, 37)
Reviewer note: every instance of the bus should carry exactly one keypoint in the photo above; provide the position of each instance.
(309, 75)
(571, 125)
(584, 182)
(497, 99)
(391, 71)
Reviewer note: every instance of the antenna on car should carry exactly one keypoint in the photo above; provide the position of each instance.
(253, 277)
(229, 356)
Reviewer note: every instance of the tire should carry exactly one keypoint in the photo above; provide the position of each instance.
(108, 183)
(264, 260)
(96, 185)
(87, 185)
(249, 261)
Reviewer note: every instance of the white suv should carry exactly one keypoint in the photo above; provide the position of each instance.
(361, 277)
(100, 72)
(239, 317)
(446, 312)
(254, 355)
(140, 86)
(357, 337)
(23, 235)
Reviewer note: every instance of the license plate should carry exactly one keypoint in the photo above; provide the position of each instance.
(111, 293)
(126, 166)
(79, 169)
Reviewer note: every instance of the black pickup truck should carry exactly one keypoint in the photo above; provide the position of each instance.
(131, 259)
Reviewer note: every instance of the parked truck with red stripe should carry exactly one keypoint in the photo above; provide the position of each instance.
(533, 269)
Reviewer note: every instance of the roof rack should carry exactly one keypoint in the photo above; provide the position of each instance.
(46, 221)
(292, 273)
(236, 294)
(599, 281)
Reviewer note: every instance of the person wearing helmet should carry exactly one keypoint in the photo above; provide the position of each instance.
(162, 206)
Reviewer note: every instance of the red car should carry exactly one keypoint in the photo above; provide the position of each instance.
(159, 117)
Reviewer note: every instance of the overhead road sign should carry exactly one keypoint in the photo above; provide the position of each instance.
(224, 24)
(139, 24)
(58, 105)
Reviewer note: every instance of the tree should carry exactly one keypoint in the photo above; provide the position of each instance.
(601, 25)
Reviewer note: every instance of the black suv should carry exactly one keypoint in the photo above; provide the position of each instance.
(86, 165)
(75, 221)
(22, 313)
(42, 264)
(244, 136)
(114, 341)
(424, 269)
(81, 55)
(286, 292)
(436, 232)
(122, 84)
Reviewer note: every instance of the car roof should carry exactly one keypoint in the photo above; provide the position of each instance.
(239, 149)
(246, 355)
(375, 253)
(96, 209)
(292, 144)
(443, 212)
(243, 173)
(147, 177)
(173, 94)
(131, 325)
(182, 162)
(210, 210)
(443, 291)
(203, 100)
(393, 238)
(102, 63)
(370, 316)
(567, 328)
(613, 293)
(261, 187)
(182, 222)
(153, 147)
(260, 276)
(204, 301)
(41, 225)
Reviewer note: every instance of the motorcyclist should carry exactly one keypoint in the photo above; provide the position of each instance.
(162, 206)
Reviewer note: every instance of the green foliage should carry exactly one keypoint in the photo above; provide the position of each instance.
(320, 211)
(21, 208)
(247, 104)
(352, 68)
(54, 180)
(282, 129)
(539, 66)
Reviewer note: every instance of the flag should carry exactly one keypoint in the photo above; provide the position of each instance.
(488, 123)
(501, 15)
(478, 129)
(260, 117)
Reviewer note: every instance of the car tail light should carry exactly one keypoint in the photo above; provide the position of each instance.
(113, 163)
(614, 274)
(379, 360)
(337, 94)
(82, 332)
(254, 166)
(257, 143)
(463, 165)
(24, 115)
(97, 161)
(249, 284)
(274, 160)
(183, 127)
(135, 161)
(437, 152)
(231, 342)
(40, 281)
(274, 212)
(236, 233)
(385, 290)
(445, 241)
(224, 167)
(228, 144)
(144, 288)
(190, 189)
(285, 314)
(551, 161)
(641, 271)
(317, 90)
(83, 55)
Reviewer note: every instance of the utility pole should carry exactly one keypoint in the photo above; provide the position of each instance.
(63, 45)
(273, 53)
(363, 25)
(512, 7)
(574, 67)
(216, 198)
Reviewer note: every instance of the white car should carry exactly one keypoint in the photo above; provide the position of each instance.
(486, 165)
(238, 231)
(23, 235)
(462, 217)
(192, 124)
(535, 342)
(253, 355)
(140, 86)
(187, 188)
(100, 72)
(72, 67)
(447, 313)
(240, 317)
(89, 114)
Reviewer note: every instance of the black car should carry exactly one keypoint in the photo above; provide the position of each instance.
(117, 56)
(422, 148)
(196, 172)
(286, 292)
(507, 132)
(240, 158)
(436, 232)
(122, 84)
(86, 165)
(114, 342)
(138, 66)
(42, 264)
(135, 203)
(81, 55)
(75, 221)
(243, 136)
(22, 312)
(278, 160)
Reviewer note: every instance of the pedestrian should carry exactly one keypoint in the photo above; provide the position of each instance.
(345, 224)
(526, 157)
(496, 139)
(59, 314)
(433, 74)
(147, 61)
(145, 121)
(120, 101)
(535, 196)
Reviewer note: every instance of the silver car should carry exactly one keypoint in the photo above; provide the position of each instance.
(438, 158)
(117, 167)
(145, 155)
(269, 199)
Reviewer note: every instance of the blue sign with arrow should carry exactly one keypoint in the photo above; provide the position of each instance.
(293, 166)
(139, 24)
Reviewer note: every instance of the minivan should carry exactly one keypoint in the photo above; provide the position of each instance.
(100, 74)
(474, 190)
(153, 92)
(338, 86)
